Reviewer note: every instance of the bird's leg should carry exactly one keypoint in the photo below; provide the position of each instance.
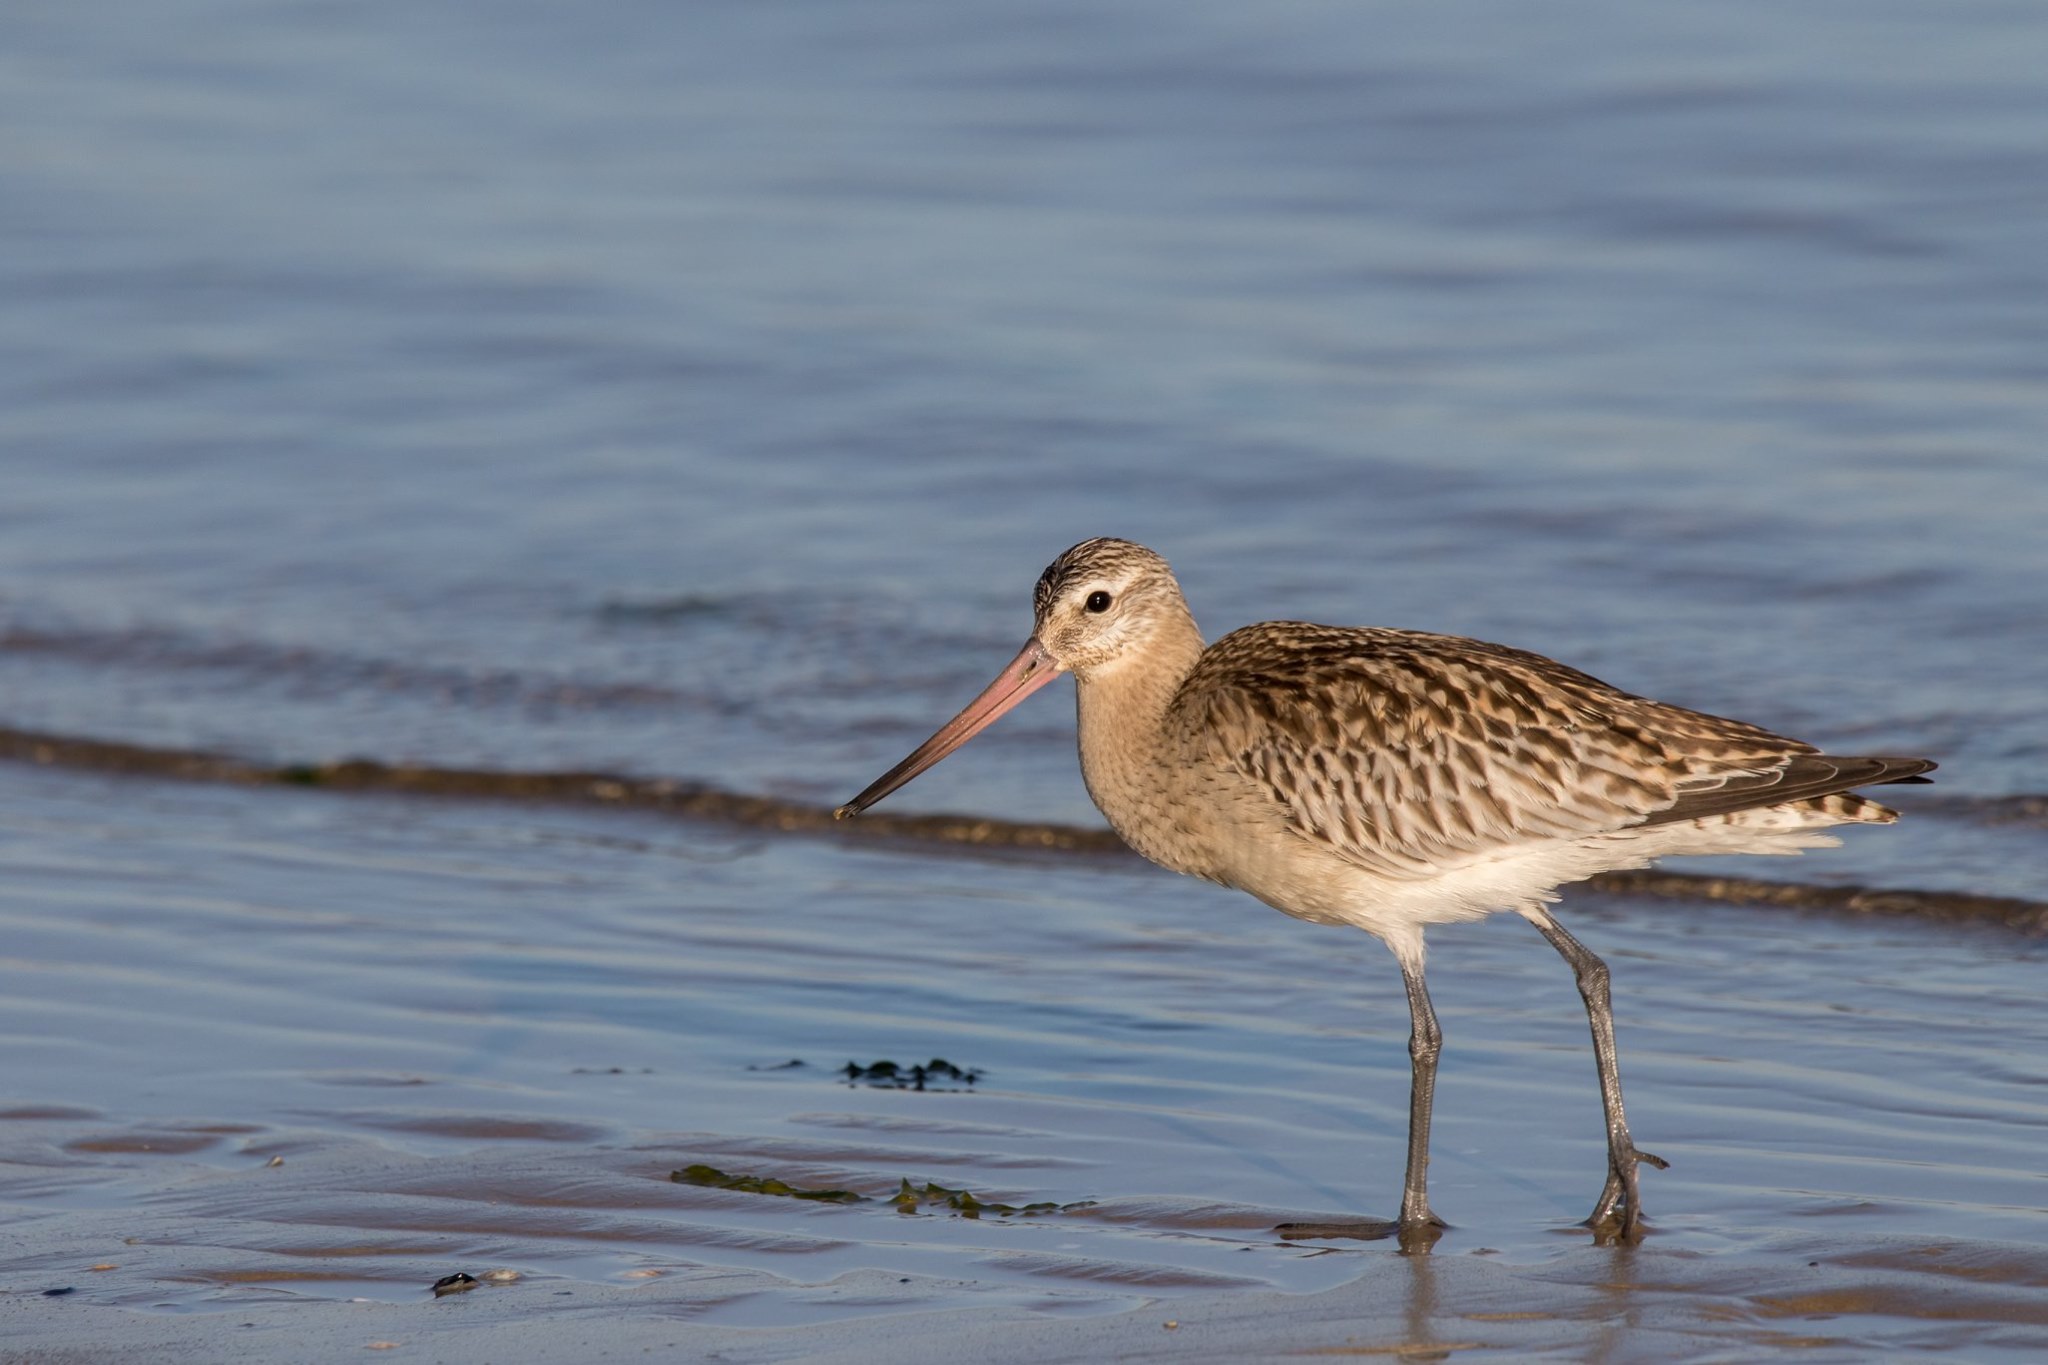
(1417, 1228)
(1425, 1044)
(1620, 1210)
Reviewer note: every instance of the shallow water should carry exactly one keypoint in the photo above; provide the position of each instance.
(694, 393)
(273, 1053)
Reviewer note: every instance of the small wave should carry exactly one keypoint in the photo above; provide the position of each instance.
(313, 671)
(703, 801)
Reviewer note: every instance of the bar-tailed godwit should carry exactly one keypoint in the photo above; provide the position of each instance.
(1392, 780)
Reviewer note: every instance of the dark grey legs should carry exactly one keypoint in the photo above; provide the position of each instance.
(1619, 1213)
(1425, 1044)
(1620, 1210)
(1417, 1228)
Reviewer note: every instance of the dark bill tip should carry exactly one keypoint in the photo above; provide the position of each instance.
(1032, 669)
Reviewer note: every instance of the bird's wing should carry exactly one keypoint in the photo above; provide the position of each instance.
(1800, 777)
(1407, 753)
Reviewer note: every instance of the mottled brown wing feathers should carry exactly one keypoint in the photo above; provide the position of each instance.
(1801, 778)
(1406, 752)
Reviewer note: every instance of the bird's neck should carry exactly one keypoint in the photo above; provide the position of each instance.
(1123, 710)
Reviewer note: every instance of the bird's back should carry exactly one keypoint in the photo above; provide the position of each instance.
(1408, 754)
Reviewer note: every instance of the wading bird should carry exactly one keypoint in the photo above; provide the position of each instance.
(1392, 779)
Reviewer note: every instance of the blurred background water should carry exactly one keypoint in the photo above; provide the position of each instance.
(696, 390)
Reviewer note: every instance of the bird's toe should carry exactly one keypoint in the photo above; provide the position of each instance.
(1359, 1229)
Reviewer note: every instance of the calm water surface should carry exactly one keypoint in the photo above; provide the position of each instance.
(696, 392)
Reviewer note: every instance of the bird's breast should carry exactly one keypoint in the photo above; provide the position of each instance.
(1183, 811)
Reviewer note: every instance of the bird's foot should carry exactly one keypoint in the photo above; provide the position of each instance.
(1417, 1238)
(1623, 1226)
(1617, 1219)
(1418, 1235)
(1358, 1230)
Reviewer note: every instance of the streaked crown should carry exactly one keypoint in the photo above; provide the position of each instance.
(1104, 559)
(1106, 600)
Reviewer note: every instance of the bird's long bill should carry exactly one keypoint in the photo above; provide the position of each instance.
(1032, 669)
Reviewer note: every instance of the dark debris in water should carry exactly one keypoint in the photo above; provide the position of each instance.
(713, 1178)
(908, 1199)
(455, 1284)
(887, 1075)
(911, 1198)
(789, 1065)
(611, 1071)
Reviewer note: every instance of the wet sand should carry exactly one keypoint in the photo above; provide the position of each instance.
(282, 1059)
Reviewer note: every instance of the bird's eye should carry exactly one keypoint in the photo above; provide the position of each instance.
(1098, 601)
